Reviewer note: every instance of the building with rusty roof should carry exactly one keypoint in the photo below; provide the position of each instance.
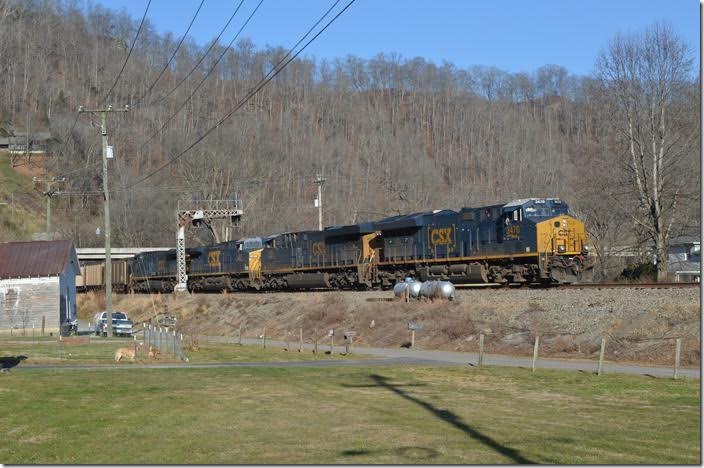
(37, 285)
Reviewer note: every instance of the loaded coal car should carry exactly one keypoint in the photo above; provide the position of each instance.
(524, 241)
(153, 271)
(336, 257)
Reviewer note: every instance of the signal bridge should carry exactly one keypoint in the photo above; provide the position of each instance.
(195, 213)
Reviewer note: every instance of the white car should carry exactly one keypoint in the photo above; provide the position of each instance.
(121, 324)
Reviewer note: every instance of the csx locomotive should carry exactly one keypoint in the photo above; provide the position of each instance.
(527, 241)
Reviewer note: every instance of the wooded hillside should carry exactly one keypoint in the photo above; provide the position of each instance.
(391, 135)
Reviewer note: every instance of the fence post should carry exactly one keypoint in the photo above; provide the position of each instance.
(239, 336)
(160, 338)
(174, 344)
(44, 322)
(300, 340)
(32, 332)
(481, 349)
(264, 338)
(315, 346)
(180, 347)
(601, 356)
(288, 341)
(535, 351)
(678, 347)
(332, 345)
(135, 345)
(413, 338)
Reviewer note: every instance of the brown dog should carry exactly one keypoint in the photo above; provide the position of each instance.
(154, 352)
(126, 353)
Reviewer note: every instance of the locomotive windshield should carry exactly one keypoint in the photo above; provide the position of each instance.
(545, 208)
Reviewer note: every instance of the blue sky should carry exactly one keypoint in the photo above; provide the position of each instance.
(510, 34)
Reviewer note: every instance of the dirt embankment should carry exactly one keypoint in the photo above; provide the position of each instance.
(639, 325)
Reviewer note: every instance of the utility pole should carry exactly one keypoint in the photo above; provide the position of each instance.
(106, 205)
(320, 181)
(48, 194)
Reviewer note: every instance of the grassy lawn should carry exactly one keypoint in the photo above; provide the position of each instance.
(345, 415)
(101, 351)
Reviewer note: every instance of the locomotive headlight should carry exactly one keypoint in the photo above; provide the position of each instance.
(561, 248)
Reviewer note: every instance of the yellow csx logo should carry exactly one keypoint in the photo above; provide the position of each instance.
(442, 236)
(318, 248)
(564, 232)
(214, 258)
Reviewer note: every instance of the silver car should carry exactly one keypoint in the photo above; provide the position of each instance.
(121, 324)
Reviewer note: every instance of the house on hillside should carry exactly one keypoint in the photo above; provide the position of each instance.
(38, 142)
(684, 258)
(37, 282)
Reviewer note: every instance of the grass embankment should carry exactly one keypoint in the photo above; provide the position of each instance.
(346, 415)
(101, 351)
(23, 213)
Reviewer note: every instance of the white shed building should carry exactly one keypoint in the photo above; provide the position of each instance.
(37, 283)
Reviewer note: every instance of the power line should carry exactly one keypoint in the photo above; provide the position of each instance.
(249, 95)
(178, 46)
(128, 54)
(207, 75)
(195, 67)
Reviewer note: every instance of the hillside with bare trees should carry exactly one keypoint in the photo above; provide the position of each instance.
(391, 134)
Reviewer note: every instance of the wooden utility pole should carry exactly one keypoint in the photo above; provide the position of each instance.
(48, 194)
(106, 195)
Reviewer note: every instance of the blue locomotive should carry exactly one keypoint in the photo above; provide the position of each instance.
(527, 241)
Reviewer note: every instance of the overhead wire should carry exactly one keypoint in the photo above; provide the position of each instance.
(212, 44)
(173, 55)
(117, 79)
(129, 53)
(253, 91)
(207, 75)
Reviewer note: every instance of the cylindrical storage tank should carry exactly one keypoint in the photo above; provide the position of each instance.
(438, 290)
(445, 290)
(414, 288)
(427, 289)
(400, 289)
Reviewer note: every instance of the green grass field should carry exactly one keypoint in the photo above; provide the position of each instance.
(45, 350)
(345, 415)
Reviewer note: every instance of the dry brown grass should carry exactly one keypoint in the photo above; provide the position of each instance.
(444, 326)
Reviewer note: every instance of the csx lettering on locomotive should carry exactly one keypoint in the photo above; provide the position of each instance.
(214, 258)
(442, 236)
(318, 248)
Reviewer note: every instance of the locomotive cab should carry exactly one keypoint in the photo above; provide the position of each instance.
(560, 240)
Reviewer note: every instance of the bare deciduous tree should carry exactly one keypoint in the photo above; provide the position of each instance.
(645, 77)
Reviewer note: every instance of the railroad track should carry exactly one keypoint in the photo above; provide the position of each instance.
(629, 285)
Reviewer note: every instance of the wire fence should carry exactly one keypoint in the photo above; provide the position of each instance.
(161, 340)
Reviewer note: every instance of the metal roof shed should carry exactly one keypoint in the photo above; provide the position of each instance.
(37, 282)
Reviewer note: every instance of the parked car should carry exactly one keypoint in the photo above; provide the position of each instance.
(121, 324)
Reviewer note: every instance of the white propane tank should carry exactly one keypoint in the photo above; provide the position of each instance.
(400, 289)
(445, 290)
(438, 290)
(427, 289)
(414, 288)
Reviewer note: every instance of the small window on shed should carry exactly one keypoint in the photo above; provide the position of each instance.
(557, 224)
